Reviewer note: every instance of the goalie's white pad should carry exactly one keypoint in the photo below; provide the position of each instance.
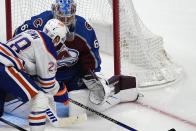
(125, 87)
(82, 96)
(128, 95)
(98, 86)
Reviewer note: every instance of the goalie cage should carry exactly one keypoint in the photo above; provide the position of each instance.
(137, 51)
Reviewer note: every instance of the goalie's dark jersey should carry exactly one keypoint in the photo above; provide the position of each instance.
(84, 48)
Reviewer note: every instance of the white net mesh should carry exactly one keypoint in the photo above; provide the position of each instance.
(25, 9)
(142, 53)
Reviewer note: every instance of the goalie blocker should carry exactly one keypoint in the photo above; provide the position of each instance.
(103, 94)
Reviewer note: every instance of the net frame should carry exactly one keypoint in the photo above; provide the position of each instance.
(152, 66)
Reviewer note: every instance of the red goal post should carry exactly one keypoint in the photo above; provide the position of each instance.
(8, 19)
(116, 36)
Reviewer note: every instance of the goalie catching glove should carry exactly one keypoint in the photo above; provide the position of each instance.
(101, 89)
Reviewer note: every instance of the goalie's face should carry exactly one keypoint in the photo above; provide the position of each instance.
(66, 20)
(64, 10)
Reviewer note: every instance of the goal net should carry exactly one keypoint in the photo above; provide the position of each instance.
(142, 53)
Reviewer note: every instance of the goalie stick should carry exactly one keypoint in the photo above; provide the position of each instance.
(102, 115)
(63, 122)
(12, 124)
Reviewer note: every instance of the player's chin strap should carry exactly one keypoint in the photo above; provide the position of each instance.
(63, 122)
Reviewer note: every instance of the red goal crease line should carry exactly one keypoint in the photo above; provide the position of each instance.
(165, 113)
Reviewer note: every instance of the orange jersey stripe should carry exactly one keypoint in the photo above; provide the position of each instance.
(62, 92)
(37, 118)
(47, 84)
(7, 53)
(20, 79)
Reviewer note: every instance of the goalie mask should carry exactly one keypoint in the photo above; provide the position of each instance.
(64, 10)
(56, 30)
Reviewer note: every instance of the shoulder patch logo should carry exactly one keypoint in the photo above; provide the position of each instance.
(88, 26)
(38, 22)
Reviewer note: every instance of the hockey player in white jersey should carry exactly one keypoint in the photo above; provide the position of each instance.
(32, 52)
(82, 74)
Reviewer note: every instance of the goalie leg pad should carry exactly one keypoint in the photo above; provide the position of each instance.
(121, 82)
(110, 102)
(125, 87)
(128, 95)
(82, 96)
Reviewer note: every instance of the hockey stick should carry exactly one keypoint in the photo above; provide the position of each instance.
(63, 122)
(102, 115)
(60, 122)
(17, 107)
(11, 124)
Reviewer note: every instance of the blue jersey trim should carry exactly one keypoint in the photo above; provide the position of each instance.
(46, 79)
(15, 65)
(37, 124)
(49, 44)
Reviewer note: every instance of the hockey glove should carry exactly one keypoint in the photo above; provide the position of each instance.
(98, 86)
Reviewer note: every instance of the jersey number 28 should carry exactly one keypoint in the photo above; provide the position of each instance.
(19, 43)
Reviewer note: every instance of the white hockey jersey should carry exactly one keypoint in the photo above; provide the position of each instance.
(9, 58)
(39, 55)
